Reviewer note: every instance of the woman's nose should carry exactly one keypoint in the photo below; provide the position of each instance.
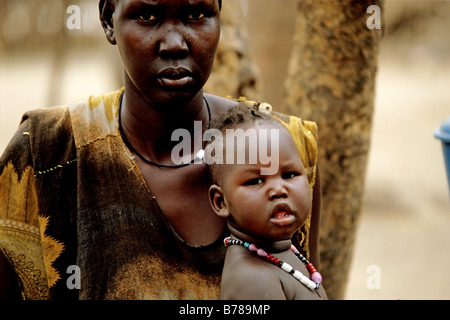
(173, 43)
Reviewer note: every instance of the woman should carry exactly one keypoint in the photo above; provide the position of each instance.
(104, 211)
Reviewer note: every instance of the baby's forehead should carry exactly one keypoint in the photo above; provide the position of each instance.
(256, 132)
(258, 139)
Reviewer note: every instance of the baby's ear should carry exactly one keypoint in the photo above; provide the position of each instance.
(217, 201)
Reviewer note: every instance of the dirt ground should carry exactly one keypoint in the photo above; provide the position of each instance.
(402, 249)
(405, 222)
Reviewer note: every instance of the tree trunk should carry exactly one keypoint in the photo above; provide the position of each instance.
(331, 80)
(234, 73)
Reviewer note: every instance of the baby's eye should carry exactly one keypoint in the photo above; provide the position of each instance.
(290, 175)
(254, 182)
(196, 16)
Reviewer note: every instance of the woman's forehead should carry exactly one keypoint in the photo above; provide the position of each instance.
(173, 1)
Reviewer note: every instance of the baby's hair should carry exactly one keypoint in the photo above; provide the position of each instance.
(240, 115)
(244, 114)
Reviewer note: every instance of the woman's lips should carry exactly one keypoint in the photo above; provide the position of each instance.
(175, 83)
(175, 77)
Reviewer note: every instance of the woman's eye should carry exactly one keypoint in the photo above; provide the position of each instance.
(255, 181)
(147, 17)
(195, 16)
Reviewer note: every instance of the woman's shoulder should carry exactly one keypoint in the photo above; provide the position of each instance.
(45, 116)
(48, 124)
(41, 133)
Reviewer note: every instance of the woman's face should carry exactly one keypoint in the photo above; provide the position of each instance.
(167, 46)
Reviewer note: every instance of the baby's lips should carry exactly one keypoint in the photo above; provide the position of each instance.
(280, 213)
(281, 209)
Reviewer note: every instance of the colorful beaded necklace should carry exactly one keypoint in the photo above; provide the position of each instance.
(316, 277)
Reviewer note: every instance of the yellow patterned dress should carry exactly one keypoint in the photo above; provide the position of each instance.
(77, 220)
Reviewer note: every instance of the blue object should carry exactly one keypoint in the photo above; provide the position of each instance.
(443, 133)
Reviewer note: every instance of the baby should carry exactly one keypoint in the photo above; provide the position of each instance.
(263, 211)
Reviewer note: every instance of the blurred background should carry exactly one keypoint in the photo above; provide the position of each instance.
(48, 57)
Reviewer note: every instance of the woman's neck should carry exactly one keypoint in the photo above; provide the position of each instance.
(149, 128)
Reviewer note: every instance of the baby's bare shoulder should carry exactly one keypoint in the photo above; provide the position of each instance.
(250, 278)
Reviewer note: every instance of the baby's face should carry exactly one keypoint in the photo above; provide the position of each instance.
(268, 207)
